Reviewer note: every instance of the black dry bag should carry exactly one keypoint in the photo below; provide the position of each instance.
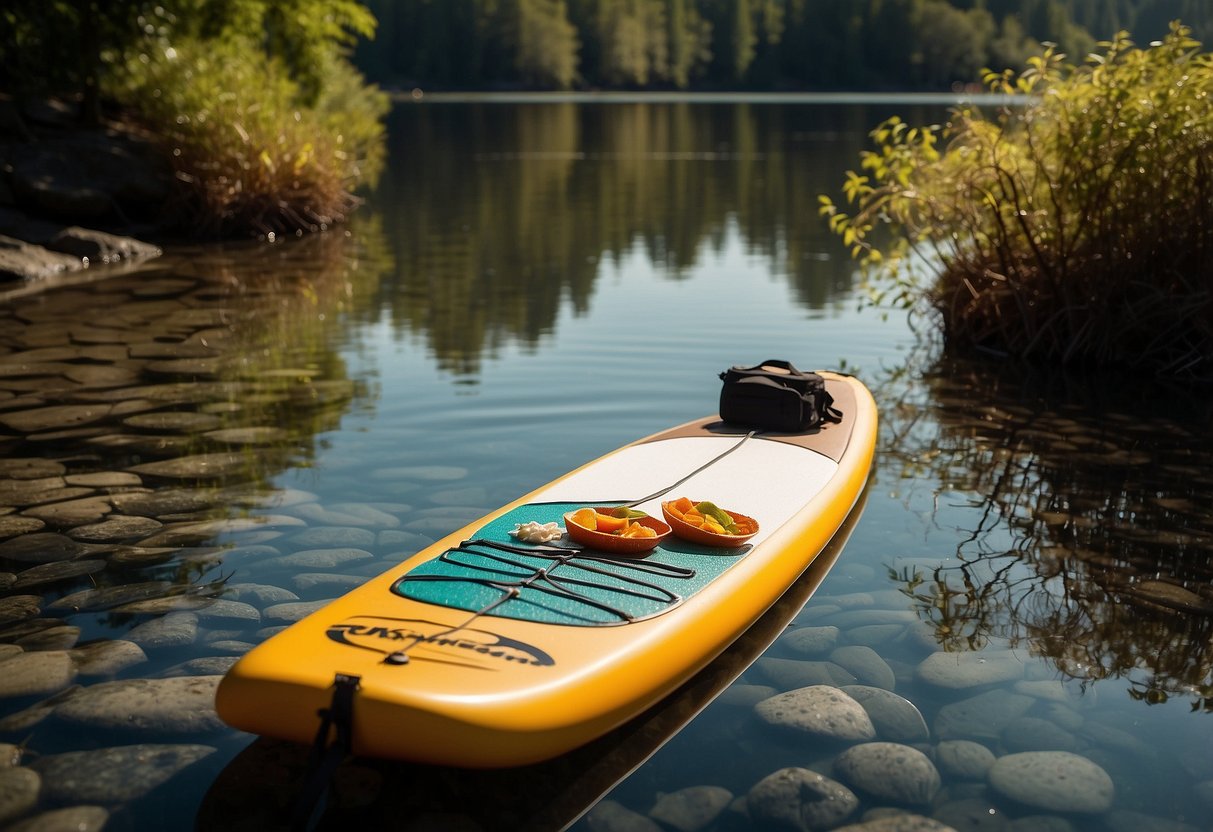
(776, 396)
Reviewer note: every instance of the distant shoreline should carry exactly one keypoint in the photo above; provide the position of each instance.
(418, 95)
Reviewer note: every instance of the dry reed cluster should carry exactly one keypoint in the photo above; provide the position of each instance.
(251, 153)
(1075, 226)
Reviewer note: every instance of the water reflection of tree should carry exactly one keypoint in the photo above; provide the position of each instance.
(281, 357)
(1091, 539)
(498, 213)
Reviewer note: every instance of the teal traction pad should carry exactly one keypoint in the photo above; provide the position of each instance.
(560, 583)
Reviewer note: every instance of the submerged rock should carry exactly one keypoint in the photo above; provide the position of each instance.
(197, 467)
(422, 473)
(173, 421)
(964, 759)
(1041, 824)
(120, 529)
(866, 665)
(820, 711)
(176, 705)
(55, 417)
(110, 776)
(1054, 690)
(1127, 820)
(1029, 733)
(260, 593)
(811, 642)
(104, 598)
(166, 501)
(898, 823)
(27, 468)
(1056, 781)
(320, 558)
(692, 808)
(612, 816)
(967, 670)
(176, 629)
(221, 609)
(889, 771)
(60, 637)
(981, 717)
(293, 611)
(16, 608)
(106, 658)
(974, 814)
(66, 514)
(329, 537)
(27, 718)
(42, 547)
(104, 479)
(799, 799)
(48, 573)
(744, 695)
(13, 524)
(205, 666)
(327, 583)
(895, 717)
(71, 819)
(18, 791)
(787, 674)
(32, 674)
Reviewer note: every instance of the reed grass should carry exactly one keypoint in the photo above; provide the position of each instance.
(249, 154)
(1073, 226)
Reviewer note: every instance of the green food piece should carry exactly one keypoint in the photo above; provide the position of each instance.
(718, 514)
(628, 513)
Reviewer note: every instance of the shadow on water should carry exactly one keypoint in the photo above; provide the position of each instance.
(1085, 531)
(257, 789)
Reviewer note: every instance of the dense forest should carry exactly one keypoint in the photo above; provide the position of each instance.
(740, 44)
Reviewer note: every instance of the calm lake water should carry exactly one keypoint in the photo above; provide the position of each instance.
(194, 454)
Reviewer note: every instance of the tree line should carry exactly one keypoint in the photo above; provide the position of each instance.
(740, 44)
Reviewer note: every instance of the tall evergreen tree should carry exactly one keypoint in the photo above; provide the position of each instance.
(742, 39)
(543, 41)
(687, 41)
(681, 47)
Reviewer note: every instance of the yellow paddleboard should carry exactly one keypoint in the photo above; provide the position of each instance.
(485, 651)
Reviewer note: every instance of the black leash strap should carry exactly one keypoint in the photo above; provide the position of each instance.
(326, 756)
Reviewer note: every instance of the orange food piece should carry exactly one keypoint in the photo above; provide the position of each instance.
(681, 506)
(637, 530)
(609, 524)
(587, 518)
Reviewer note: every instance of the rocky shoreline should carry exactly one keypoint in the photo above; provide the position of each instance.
(73, 198)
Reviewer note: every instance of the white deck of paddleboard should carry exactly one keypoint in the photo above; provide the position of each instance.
(769, 481)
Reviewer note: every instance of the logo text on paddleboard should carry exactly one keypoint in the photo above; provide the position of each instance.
(436, 642)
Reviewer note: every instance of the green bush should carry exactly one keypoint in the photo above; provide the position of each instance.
(253, 150)
(1075, 226)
